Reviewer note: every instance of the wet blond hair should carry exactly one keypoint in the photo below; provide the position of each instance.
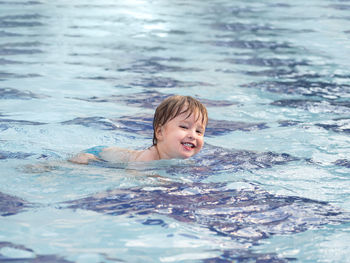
(175, 105)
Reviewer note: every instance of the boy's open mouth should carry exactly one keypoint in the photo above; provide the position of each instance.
(188, 144)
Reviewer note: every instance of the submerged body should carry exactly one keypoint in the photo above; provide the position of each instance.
(112, 154)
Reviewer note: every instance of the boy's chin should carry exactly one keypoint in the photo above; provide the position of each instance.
(186, 156)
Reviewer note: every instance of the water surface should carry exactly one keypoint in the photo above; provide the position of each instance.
(271, 183)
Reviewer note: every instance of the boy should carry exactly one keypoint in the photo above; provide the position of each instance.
(179, 124)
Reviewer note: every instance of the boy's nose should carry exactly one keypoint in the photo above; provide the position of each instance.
(191, 133)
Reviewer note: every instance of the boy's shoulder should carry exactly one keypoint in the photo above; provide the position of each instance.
(117, 154)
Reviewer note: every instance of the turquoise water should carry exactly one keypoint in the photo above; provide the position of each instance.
(272, 182)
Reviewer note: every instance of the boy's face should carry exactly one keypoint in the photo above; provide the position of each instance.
(181, 137)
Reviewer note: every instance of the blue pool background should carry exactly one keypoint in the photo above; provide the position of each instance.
(272, 182)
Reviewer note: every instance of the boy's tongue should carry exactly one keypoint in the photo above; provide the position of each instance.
(188, 145)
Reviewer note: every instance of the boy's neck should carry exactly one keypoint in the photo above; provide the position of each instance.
(150, 154)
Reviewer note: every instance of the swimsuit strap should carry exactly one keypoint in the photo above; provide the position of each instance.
(96, 151)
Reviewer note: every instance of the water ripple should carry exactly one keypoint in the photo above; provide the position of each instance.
(341, 125)
(245, 215)
(26, 255)
(152, 66)
(323, 89)
(151, 99)
(316, 106)
(11, 205)
(10, 93)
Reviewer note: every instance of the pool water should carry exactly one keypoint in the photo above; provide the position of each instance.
(270, 185)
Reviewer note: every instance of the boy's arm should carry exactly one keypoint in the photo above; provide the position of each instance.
(103, 153)
(83, 158)
(91, 154)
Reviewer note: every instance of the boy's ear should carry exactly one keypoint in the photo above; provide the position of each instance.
(159, 133)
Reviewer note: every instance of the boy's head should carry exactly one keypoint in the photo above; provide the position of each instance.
(175, 105)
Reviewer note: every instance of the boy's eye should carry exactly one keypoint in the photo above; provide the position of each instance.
(183, 127)
(199, 132)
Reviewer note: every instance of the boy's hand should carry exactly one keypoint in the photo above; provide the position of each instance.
(83, 158)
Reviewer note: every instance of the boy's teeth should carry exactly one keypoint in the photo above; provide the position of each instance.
(188, 144)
